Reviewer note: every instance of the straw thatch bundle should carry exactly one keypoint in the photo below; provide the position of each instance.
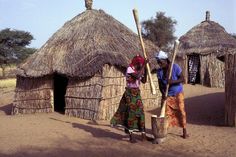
(229, 58)
(205, 41)
(81, 67)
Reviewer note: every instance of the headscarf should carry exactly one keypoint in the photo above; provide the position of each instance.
(137, 60)
(161, 55)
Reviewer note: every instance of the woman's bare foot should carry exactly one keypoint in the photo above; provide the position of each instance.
(131, 138)
(185, 134)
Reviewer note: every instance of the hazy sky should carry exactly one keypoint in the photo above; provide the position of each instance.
(42, 18)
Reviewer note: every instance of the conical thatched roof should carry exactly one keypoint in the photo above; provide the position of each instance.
(206, 37)
(83, 45)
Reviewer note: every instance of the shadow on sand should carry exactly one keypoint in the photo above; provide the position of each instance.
(95, 131)
(206, 109)
(6, 109)
(203, 110)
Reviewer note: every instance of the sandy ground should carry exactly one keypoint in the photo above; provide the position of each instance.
(57, 135)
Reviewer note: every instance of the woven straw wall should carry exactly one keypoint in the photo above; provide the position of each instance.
(95, 98)
(83, 97)
(212, 71)
(113, 89)
(33, 95)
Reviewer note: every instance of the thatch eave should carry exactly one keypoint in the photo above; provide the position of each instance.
(203, 51)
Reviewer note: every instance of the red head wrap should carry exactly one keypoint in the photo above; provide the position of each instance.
(137, 60)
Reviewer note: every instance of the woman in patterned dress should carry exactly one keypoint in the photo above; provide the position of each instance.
(130, 113)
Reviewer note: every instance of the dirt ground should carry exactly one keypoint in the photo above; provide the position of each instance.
(57, 135)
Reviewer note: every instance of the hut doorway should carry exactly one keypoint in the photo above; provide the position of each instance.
(194, 69)
(60, 85)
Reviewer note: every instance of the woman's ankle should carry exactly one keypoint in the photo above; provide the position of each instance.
(144, 137)
(131, 138)
(185, 134)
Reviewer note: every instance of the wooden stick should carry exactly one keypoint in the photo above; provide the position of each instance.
(135, 13)
(163, 109)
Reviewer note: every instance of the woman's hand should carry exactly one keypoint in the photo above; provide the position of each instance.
(170, 81)
(146, 61)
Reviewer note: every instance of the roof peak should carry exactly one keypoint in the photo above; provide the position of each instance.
(88, 4)
(207, 16)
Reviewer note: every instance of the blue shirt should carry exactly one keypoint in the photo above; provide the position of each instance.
(176, 88)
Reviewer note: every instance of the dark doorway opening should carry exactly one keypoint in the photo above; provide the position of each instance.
(60, 85)
(194, 69)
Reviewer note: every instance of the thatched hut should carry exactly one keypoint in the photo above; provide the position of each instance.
(229, 58)
(198, 50)
(80, 69)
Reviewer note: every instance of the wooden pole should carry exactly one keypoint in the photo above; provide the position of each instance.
(135, 13)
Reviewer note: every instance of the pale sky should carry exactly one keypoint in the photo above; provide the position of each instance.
(42, 18)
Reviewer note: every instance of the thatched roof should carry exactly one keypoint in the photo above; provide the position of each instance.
(205, 38)
(83, 45)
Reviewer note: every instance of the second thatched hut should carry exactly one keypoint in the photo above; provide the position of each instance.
(80, 69)
(198, 50)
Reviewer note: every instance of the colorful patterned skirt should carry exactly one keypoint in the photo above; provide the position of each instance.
(175, 110)
(130, 112)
